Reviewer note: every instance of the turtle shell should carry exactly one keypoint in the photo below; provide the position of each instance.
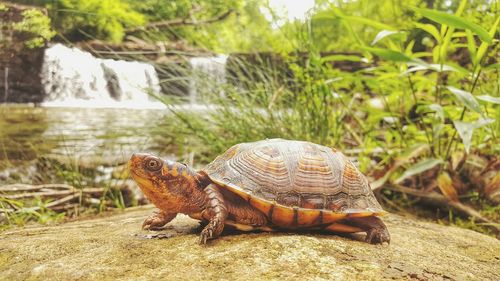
(295, 183)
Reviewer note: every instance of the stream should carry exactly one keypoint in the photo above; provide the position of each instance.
(85, 135)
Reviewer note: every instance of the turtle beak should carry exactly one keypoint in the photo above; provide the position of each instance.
(135, 163)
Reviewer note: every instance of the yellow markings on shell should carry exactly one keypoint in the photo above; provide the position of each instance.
(329, 216)
(308, 217)
(282, 216)
(338, 227)
(260, 205)
(360, 214)
(184, 173)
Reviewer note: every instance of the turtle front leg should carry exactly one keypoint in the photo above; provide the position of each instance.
(157, 220)
(216, 211)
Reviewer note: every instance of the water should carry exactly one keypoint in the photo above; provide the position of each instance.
(81, 133)
(99, 110)
(209, 76)
(74, 78)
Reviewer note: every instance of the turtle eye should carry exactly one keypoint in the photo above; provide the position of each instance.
(153, 164)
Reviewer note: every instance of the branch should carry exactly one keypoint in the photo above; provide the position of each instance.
(54, 193)
(437, 199)
(181, 22)
(28, 187)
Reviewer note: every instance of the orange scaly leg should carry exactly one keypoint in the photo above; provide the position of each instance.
(217, 214)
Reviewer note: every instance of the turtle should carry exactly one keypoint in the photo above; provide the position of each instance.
(267, 185)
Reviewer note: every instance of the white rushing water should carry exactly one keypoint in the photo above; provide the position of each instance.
(208, 76)
(74, 78)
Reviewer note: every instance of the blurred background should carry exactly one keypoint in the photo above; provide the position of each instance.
(408, 90)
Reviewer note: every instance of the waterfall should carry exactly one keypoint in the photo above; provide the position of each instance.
(72, 77)
(208, 75)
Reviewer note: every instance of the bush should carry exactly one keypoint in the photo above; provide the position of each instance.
(101, 19)
(37, 25)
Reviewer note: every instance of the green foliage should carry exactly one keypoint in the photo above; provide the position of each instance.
(455, 21)
(101, 19)
(22, 215)
(243, 30)
(316, 104)
(436, 93)
(37, 25)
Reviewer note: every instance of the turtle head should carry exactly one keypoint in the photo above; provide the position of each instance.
(167, 184)
(146, 169)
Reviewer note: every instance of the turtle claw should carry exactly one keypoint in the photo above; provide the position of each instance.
(206, 234)
(211, 231)
(152, 223)
(156, 221)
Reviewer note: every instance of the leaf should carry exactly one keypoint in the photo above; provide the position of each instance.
(445, 184)
(455, 21)
(436, 131)
(434, 67)
(382, 34)
(431, 29)
(488, 98)
(438, 109)
(471, 44)
(389, 55)
(435, 53)
(418, 168)
(492, 186)
(484, 46)
(412, 152)
(493, 66)
(483, 122)
(409, 47)
(466, 98)
(465, 130)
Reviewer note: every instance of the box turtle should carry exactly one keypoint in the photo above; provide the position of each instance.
(267, 185)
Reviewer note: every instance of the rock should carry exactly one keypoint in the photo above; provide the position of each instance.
(114, 247)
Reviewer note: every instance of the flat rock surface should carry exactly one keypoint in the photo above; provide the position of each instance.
(114, 248)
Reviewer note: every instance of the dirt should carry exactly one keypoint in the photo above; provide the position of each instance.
(114, 248)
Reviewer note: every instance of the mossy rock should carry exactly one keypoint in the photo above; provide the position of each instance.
(113, 247)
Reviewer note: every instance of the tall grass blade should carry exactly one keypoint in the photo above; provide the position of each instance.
(455, 21)
(389, 55)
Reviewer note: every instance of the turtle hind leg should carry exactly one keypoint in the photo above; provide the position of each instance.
(376, 231)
